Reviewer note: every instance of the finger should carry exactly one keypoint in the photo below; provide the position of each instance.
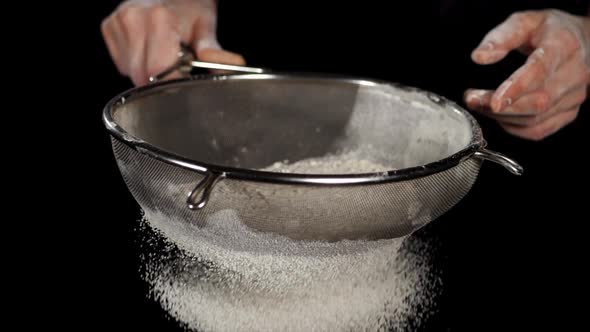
(511, 34)
(573, 99)
(570, 76)
(543, 129)
(113, 36)
(538, 68)
(477, 99)
(220, 56)
(523, 118)
(133, 22)
(205, 33)
(531, 104)
(163, 41)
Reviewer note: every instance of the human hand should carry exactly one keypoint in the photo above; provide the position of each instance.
(545, 94)
(144, 36)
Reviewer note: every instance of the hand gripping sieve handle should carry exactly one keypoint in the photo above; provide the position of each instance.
(186, 62)
(198, 197)
(511, 165)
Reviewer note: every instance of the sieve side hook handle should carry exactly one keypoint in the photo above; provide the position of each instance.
(511, 165)
(198, 197)
(186, 62)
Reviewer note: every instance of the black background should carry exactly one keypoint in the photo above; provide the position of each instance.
(511, 253)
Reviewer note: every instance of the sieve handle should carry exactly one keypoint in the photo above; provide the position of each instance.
(198, 197)
(186, 62)
(511, 165)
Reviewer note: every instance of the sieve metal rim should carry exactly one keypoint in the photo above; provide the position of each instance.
(475, 148)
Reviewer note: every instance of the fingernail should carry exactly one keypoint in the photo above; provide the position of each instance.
(208, 43)
(487, 46)
(474, 99)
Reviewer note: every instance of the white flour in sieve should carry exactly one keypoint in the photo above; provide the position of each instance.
(231, 278)
(344, 163)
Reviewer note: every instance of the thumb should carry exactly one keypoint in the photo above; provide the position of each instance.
(207, 47)
(205, 34)
(516, 31)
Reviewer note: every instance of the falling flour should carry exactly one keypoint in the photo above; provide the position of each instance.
(228, 277)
